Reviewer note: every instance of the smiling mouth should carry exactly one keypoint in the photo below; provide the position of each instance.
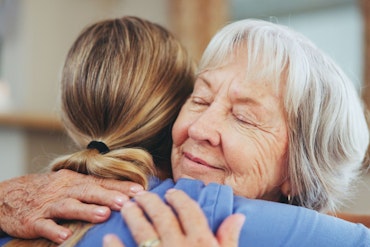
(199, 161)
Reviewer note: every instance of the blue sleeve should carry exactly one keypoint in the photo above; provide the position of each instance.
(276, 224)
(267, 223)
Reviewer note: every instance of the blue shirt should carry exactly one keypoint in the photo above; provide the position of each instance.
(267, 223)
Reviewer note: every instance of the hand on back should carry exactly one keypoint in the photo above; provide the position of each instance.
(31, 205)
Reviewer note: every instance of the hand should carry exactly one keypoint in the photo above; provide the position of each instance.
(30, 204)
(189, 229)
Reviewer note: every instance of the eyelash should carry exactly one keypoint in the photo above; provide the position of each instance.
(239, 118)
(243, 120)
(199, 101)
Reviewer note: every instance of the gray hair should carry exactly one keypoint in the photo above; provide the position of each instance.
(327, 129)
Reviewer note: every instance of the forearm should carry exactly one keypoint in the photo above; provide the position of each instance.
(12, 193)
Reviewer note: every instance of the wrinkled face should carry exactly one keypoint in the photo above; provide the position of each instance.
(232, 130)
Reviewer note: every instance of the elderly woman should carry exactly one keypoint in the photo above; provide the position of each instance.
(273, 118)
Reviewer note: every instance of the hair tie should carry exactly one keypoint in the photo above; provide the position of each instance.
(100, 146)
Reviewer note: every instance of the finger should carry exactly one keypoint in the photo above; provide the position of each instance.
(161, 215)
(126, 187)
(229, 231)
(111, 240)
(73, 209)
(139, 226)
(50, 230)
(92, 193)
(85, 183)
(190, 214)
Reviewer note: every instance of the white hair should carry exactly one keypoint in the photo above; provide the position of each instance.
(327, 129)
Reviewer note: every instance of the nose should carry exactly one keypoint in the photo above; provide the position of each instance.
(207, 127)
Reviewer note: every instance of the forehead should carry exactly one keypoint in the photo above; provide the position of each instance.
(241, 68)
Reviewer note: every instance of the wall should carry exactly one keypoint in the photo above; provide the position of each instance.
(36, 36)
(43, 32)
(338, 31)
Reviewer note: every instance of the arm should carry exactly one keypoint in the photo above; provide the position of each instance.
(29, 205)
(267, 223)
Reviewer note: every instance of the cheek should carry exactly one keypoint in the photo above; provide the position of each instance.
(259, 165)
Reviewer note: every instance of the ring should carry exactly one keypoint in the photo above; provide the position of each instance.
(150, 243)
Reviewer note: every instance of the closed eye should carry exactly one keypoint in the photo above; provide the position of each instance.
(245, 121)
(199, 101)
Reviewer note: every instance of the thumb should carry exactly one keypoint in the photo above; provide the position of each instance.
(229, 231)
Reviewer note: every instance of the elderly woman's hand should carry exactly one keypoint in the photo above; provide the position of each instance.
(188, 228)
(30, 204)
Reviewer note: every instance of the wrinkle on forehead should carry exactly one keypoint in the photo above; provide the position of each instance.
(257, 68)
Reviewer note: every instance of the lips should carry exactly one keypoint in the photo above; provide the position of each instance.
(198, 160)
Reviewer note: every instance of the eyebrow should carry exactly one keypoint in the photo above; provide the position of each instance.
(261, 109)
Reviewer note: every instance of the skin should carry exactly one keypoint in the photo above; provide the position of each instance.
(233, 131)
(77, 197)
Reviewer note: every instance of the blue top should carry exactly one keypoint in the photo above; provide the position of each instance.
(267, 223)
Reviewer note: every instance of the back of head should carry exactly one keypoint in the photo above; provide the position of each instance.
(328, 133)
(123, 83)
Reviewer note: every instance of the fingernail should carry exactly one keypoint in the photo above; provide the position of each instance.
(108, 239)
(63, 235)
(170, 191)
(136, 188)
(119, 200)
(101, 211)
(141, 192)
(241, 219)
(128, 204)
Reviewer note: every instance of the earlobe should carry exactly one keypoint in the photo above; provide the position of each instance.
(286, 191)
(286, 188)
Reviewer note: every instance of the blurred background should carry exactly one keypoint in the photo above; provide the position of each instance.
(35, 36)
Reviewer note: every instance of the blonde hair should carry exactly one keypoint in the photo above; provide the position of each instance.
(123, 84)
(328, 133)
